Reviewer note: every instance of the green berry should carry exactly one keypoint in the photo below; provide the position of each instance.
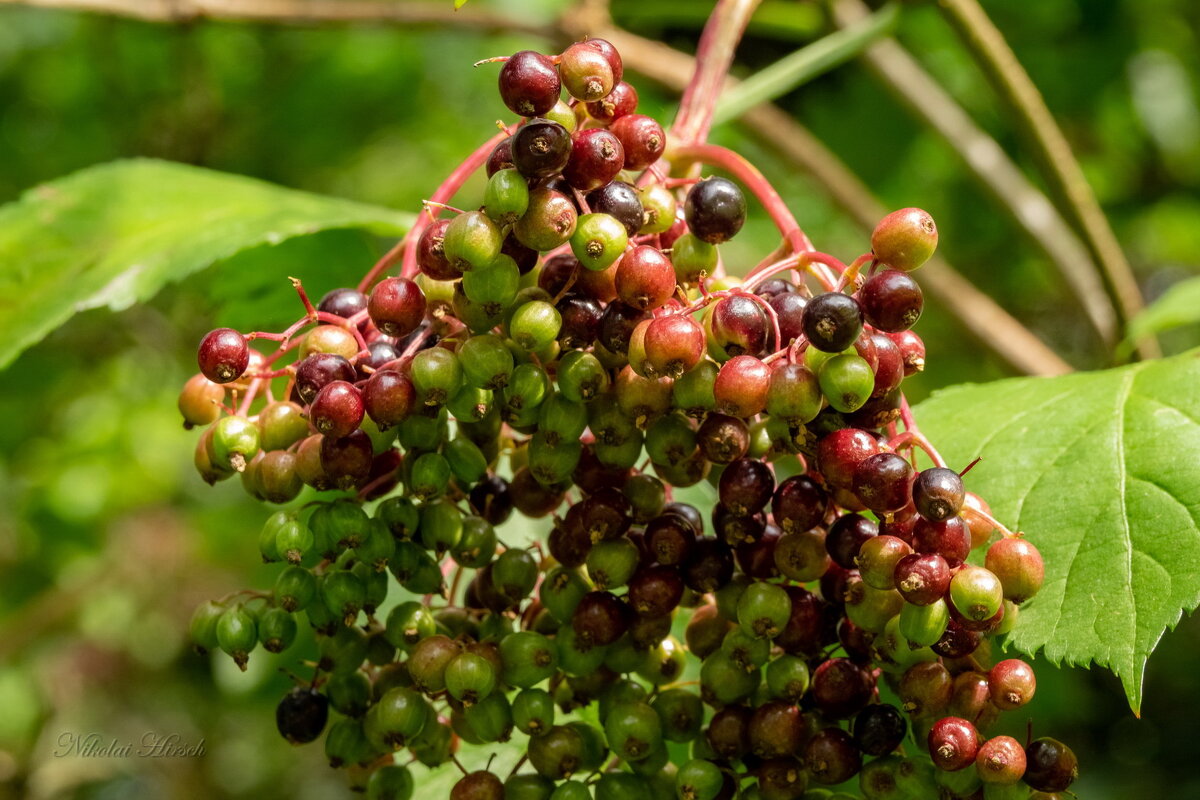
(436, 375)
(976, 592)
(343, 593)
(763, 609)
(506, 197)
(470, 678)
(924, 625)
(400, 516)
(847, 382)
(493, 286)
(699, 780)
(235, 440)
(581, 376)
(390, 782)
(476, 545)
(633, 730)
(237, 634)
(486, 361)
(598, 241)
(788, 678)
(472, 241)
(534, 325)
(276, 630)
(203, 626)
(295, 588)
(398, 717)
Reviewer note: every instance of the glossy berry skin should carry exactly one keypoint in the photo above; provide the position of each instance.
(953, 744)
(598, 241)
(746, 486)
(976, 593)
(879, 729)
(541, 148)
(388, 397)
(645, 278)
(478, 785)
(799, 504)
(742, 386)
(715, 210)
(839, 453)
(396, 306)
(905, 239)
(736, 325)
(1012, 684)
(642, 139)
(301, 715)
(620, 200)
(882, 481)
(891, 301)
(319, 369)
(1000, 759)
(223, 355)
(832, 321)
(832, 756)
(620, 102)
(586, 73)
(841, 688)
(922, 578)
(1050, 766)
(596, 158)
(529, 83)
(674, 344)
(1018, 565)
(938, 493)
(337, 410)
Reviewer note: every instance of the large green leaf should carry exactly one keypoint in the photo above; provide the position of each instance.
(1101, 471)
(114, 234)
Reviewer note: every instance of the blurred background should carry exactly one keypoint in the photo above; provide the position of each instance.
(108, 539)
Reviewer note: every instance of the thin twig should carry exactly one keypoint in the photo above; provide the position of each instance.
(1059, 167)
(1029, 207)
(301, 12)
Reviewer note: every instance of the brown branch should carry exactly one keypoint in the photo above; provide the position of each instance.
(987, 46)
(994, 327)
(297, 12)
(988, 161)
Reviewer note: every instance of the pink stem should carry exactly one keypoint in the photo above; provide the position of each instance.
(443, 193)
(714, 54)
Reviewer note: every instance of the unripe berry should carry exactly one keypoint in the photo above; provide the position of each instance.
(905, 239)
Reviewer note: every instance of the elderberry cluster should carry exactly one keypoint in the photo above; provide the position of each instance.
(572, 349)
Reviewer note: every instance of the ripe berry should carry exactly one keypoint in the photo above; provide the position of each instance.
(839, 452)
(891, 301)
(904, 239)
(337, 410)
(674, 344)
(742, 386)
(1001, 759)
(643, 141)
(1012, 684)
(832, 756)
(736, 325)
(620, 102)
(478, 785)
(882, 481)
(715, 210)
(1050, 766)
(953, 744)
(223, 355)
(879, 729)
(746, 485)
(832, 321)
(937, 493)
(841, 688)
(529, 83)
(596, 158)
(620, 200)
(396, 306)
(301, 715)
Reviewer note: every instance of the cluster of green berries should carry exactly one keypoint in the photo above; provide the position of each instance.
(565, 351)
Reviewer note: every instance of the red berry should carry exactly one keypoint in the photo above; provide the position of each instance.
(905, 239)
(645, 278)
(742, 386)
(529, 83)
(224, 355)
(643, 139)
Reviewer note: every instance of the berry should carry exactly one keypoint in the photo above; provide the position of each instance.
(598, 241)
(301, 715)
(1050, 766)
(1011, 683)
(742, 386)
(643, 141)
(879, 729)
(953, 744)
(904, 239)
(1001, 759)
(976, 593)
(715, 210)
(645, 278)
(1018, 565)
(596, 158)
(891, 301)
(529, 83)
(832, 321)
(223, 355)
(396, 306)
(586, 72)
(937, 493)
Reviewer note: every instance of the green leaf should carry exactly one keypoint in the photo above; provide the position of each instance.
(1101, 471)
(1179, 306)
(114, 234)
(459, 4)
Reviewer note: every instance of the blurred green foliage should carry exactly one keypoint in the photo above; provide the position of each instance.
(107, 537)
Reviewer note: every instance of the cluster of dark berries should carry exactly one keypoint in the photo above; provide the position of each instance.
(572, 350)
